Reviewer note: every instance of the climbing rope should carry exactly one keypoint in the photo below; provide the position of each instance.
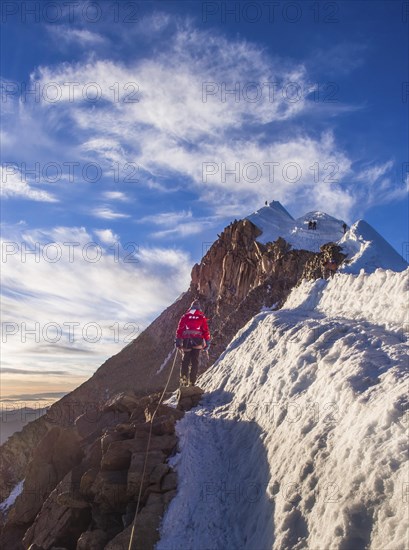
(147, 451)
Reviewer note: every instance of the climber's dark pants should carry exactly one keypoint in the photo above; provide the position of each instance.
(192, 357)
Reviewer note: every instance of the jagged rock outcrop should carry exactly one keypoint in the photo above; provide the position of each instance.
(235, 279)
(58, 452)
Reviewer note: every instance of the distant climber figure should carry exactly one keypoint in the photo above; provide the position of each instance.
(192, 336)
(266, 203)
(314, 225)
(310, 224)
(344, 227)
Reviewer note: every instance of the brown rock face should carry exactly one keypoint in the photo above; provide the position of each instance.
(58, 452)
(119, 453)
(88, 488)
(92, 540)
(146, 534)
(123, 402)
(93, 421)
(57, 524)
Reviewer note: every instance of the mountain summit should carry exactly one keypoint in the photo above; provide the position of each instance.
(364, 247)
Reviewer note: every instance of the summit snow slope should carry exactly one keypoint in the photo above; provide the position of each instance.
(274, 221)
(368, 250)
(300, 441)
(365, 248)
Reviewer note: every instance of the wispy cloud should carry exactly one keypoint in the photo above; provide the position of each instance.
(183, 118)
(154, 184)
(377, 184)
(66, 34)
(172, 112)
(371, 174)
(177, 224)
(167, 218)
(183, 230)
(15, 184)
(106, 213)
(115, 195)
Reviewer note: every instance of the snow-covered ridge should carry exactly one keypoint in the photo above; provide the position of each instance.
(365, 247)
(380, 298)
(301, 439)
(368, 250)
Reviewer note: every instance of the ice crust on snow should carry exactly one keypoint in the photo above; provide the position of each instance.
(366, 249)
(301, 438)
(358, 297)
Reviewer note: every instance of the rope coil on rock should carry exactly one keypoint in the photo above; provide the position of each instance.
(147, 451)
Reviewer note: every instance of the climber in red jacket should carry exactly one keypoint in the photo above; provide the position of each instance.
(192, 336)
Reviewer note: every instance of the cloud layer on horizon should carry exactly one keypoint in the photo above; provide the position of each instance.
(79, 299)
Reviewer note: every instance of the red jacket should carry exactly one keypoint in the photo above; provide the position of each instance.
(193, 324)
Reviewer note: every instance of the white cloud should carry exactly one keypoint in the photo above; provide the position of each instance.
(182, 230)
(158, 118)
(154, 23)
(67, 35)
(14, 184)
(181, 90)
(378, 186)
(6, 138)
(178, 224)
(372, 173)
(167, 218)
(109, 149)
(106, 236)
(115, 195)
(82, 36)
(173, 129)
(105, 213)
(153, 184)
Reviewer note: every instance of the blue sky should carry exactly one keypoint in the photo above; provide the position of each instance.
(130, 131)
